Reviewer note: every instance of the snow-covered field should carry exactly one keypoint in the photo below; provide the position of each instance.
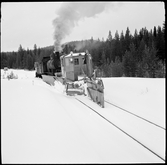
(40, 124)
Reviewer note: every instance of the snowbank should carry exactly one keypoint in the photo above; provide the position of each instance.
(40, 124)
(142, 96)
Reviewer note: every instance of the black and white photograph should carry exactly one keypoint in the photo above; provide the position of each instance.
(83, 82)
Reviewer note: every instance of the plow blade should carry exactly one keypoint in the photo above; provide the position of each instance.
(48, 79)
(74, 92)
(71, 90)
(96, 92)
(96, 96)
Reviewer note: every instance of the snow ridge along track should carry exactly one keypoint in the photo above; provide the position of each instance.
(120, 129)
(134, 114)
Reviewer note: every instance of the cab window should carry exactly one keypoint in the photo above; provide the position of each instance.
(76, 61)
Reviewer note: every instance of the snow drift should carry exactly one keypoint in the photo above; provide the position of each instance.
(40, 124)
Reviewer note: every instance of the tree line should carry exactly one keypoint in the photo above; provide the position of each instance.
(24, 59)
(139, 55)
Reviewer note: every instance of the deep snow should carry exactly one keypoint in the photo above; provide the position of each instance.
(40, 124)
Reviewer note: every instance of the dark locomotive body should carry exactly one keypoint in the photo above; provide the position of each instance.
(49, 65)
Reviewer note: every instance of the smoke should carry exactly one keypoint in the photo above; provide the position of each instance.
(68, 16)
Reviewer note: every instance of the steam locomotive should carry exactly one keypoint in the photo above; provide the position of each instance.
(66, 69)
(49, 65)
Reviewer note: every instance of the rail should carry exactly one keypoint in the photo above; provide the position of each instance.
(135, 115)
(121, 129)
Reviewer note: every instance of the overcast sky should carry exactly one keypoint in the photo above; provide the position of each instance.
(29, 23)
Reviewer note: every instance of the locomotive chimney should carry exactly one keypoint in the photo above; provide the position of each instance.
(57, 54)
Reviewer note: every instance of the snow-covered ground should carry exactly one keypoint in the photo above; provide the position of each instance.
(40, 124)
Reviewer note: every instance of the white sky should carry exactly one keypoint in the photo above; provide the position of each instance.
(29, 23)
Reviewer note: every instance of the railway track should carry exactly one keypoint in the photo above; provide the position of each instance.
(135, 115)
(122, 129)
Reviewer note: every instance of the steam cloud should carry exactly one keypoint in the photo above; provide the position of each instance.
(68, 16)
